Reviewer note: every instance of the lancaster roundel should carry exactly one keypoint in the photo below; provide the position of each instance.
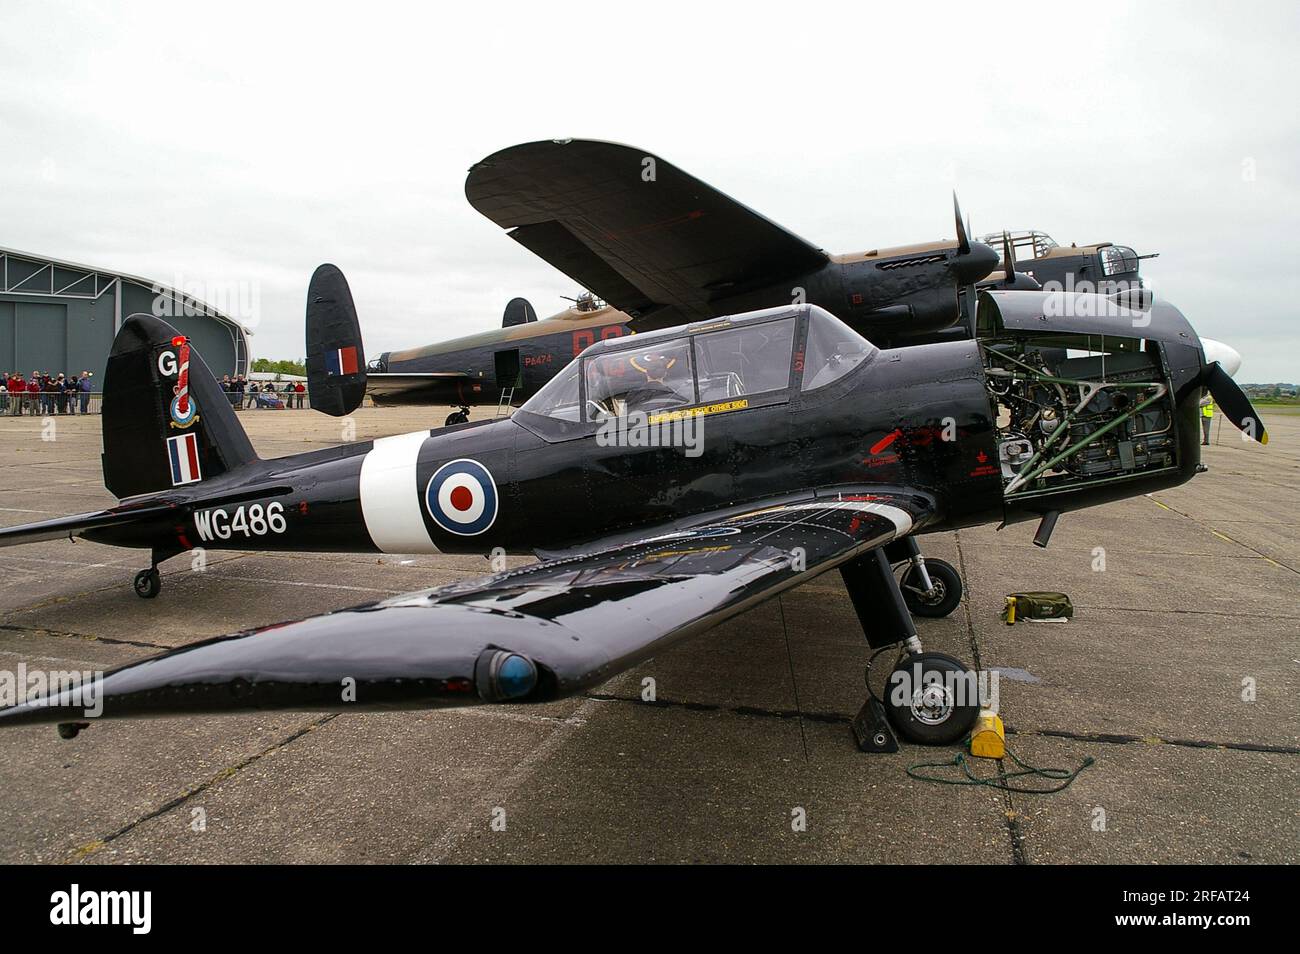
(462, 497)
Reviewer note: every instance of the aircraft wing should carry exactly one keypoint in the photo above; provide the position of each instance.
(526, 635)
(642, 234)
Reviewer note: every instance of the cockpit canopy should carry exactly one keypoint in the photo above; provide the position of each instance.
(756, 358)
(1031, 245)
(1027, 244)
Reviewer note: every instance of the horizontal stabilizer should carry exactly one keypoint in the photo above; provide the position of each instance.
(426, 387)
(73, 526)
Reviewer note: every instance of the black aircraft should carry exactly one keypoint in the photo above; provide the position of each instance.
(646, 240)
(666, 248)
(667, 481)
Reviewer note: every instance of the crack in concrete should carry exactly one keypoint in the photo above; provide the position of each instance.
(110, 640)
(89, 848)
(1223, 536)
(838, 718)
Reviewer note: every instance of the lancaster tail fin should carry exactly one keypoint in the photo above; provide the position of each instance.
(336, 360)
(519, 311)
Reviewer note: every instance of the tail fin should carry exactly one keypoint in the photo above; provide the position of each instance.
(336, 361)
(519, 311)
(166, 420)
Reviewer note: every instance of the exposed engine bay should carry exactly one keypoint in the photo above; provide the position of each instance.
(1069, 415)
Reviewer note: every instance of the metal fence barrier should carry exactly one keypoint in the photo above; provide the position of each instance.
(43, 404)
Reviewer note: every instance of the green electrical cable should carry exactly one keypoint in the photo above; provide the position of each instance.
(1003, 779)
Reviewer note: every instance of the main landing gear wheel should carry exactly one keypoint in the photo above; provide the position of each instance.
(934, 705)
(458, 417)
(148, 583)
(941, 600)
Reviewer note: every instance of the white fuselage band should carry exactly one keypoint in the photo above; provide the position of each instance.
(390, 495)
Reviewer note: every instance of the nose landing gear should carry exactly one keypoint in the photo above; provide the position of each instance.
(930, 698)
(931, 588)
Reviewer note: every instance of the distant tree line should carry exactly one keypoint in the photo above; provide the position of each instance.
(280, 367)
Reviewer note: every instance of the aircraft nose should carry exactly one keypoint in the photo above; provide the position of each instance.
(975, 264)
(1229, 358)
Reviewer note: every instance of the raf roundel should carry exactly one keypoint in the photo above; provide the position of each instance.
(462, 497)
(185, 417)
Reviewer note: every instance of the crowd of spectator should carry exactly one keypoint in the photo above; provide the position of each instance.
(243, 393)
(44, 393)
(61, 393)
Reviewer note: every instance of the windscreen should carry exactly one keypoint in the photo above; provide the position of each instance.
(558, 398)
(833, 349)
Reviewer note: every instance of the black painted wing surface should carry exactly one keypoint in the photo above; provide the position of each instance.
(642, 234)
(526, 635)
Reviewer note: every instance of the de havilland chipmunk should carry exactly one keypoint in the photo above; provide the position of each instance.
(660, 247)
(812, 450)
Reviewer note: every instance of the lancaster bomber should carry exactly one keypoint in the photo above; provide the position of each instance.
(505, 366)
(667, 481)
(656, 247)
(667, 248)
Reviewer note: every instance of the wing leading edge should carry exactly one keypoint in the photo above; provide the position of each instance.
(527, 635)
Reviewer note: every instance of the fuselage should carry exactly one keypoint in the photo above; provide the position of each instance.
(557, 476)
(556, 486)
(476, 369)
(891, 292)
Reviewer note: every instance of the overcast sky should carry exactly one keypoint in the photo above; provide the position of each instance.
(233, 147)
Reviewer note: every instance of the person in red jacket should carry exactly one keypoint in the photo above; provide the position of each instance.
(18, 394)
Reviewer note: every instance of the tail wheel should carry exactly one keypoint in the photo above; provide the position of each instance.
(942, 599)
(147, 583)
(932, 699)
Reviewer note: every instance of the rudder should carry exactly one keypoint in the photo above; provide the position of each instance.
(155, 438)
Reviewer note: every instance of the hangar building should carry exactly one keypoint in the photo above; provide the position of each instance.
(56, 316)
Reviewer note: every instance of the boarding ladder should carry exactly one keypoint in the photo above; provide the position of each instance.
(504, 405)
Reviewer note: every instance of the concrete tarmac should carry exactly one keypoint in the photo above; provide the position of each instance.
(1179, 675)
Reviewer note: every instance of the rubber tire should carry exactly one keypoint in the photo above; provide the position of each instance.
(942, 573)
(959, 721)
(147, 584)
(456, 417)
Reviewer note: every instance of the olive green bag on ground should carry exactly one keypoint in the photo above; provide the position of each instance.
(1037, 606)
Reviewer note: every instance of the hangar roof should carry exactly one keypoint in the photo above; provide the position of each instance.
(88, 281)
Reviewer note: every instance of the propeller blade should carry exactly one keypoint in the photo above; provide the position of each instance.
(963, 239)
(1008, 260)
(1232, 401)
(972, 306)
